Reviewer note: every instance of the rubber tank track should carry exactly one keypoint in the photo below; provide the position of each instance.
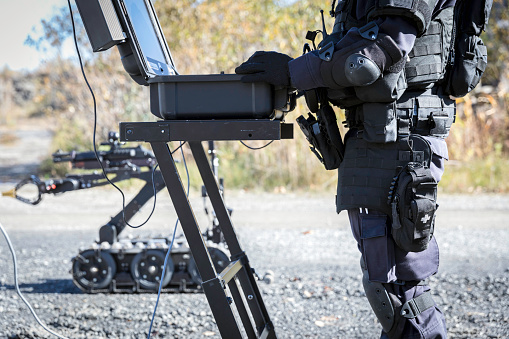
(135, 266)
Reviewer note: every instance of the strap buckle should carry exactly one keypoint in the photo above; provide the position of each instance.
(369, 31)
(413, 307)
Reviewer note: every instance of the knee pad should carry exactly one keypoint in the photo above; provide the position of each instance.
(389, 310)
(381, 303)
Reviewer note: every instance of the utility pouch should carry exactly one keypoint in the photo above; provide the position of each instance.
(380, 123)
(413, 203)
(468, 58)
(323, 136)
(471, 58)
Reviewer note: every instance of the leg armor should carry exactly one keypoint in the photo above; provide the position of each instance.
(383, 307)
(391, 312)
(394, 280)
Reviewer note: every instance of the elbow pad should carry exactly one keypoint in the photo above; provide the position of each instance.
(359, 59)
(418, 11)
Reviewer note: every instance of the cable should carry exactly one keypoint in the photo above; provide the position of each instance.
(256, 148)
(171, 244)
(176, 149)
(95, 132)
(6, 236)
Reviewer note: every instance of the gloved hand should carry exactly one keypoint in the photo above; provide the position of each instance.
(270, 67)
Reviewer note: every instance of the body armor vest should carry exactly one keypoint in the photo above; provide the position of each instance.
(424, 69)
(428, 58)
(384, 136)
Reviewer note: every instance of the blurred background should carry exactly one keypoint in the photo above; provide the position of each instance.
(41, 86)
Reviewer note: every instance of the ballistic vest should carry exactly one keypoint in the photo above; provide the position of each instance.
(384, 134)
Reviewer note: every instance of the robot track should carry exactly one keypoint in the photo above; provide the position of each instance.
(135, 266)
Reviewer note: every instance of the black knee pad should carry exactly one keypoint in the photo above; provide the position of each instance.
(388, 308)
(385, 307)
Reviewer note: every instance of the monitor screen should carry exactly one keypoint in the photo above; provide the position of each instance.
(148, 37)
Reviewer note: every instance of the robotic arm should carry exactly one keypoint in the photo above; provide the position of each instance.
(121, 162)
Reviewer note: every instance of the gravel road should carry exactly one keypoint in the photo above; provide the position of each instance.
(316, 292)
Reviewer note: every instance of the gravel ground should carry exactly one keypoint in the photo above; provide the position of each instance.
(316, 292)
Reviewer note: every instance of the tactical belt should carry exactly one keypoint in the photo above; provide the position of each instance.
(417, 112)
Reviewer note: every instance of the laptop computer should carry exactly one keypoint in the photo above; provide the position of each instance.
(133, 26)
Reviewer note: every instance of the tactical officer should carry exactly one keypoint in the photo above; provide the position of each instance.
(384, 64)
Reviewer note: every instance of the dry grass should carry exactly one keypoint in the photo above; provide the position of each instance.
(8, 138)
(479, 144)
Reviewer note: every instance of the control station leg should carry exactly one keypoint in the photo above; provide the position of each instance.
(232, 293)
(212, 286)
(245, 275)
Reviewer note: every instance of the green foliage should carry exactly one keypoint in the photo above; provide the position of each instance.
(53, 170)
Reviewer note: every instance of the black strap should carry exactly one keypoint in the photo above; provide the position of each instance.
(413, 307)
(411, 282)
(412, 72)
(425, 50)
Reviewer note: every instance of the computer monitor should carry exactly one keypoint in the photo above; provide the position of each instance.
(148, 36)
(133, 26)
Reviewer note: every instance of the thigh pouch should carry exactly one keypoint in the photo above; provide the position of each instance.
(413, 203)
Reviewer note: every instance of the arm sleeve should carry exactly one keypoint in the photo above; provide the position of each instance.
(305, 71)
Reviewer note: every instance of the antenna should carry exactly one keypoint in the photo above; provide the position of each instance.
(324, 32)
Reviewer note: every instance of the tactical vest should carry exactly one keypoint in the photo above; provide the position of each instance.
(428, 58)
(425, 69)
(384, 131)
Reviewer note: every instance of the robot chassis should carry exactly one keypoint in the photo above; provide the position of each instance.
(114, 264)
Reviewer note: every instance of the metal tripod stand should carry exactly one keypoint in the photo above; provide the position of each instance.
(232, 293)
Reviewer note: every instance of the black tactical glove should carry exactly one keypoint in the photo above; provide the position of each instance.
(270, 67)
